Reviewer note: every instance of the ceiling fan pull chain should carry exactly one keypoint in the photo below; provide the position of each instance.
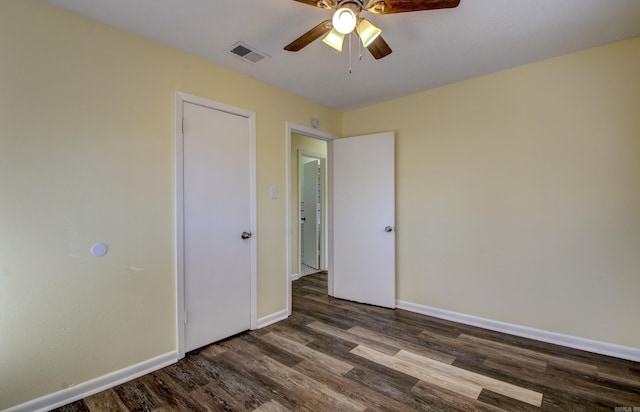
(350, 53)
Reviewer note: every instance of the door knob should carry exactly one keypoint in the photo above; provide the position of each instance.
(388, 229)
(246, 235)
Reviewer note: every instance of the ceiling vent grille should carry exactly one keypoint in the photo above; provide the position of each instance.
(247, 53)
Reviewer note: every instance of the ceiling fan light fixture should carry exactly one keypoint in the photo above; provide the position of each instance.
(334, 39)
(345, 18)
(367, 32)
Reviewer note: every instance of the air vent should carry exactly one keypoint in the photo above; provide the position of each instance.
(247, 53)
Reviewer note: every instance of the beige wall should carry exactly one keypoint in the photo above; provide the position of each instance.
(86, 156)
(518, 194)
(306, 144)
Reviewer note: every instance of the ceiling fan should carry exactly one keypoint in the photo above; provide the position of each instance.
(346, 19)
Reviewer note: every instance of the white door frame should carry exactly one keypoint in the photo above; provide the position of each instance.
(316, 134)
(323, 244)
(179, 100)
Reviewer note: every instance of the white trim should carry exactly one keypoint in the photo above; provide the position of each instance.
(93, 386)
(273, 318)
(602, 348)
(179, 225)
(330, 218)
(253, 190)
(316, 134)
(295, 276)
(180, 99)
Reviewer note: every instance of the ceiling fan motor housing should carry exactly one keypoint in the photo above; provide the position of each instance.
(336, 4)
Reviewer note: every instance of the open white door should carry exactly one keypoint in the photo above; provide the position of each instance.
(363, 182)
(309, 213)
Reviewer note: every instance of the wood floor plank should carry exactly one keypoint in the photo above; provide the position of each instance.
(271, 406)
(77, 406)
(317, 311)
(443, 380)
(365, 395)
(263, 386)
(290, 332)
(564, 388)
(445, 400)
(367, 310)
(346, 318)
(489, 352)
(627, 381)
(488, 397)
(186, 377)
(590, 389)
(350, 337)
(401, 344)
(166, 395)
(235, 389)
(435, 325)
(514, 374)
(317, 290)
(503, 388)
(212, 397)
(258, 347)
(317, 394)
(212, 351)
(304, 352)
(105, 400)
(397, 388)
(135, 396)
(272, 389)
(550, 359)
(292, 389)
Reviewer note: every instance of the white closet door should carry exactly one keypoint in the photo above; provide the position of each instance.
(217, 210)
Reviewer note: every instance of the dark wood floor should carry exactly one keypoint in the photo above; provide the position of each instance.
(333, 355)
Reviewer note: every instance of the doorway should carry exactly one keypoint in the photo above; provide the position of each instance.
(307, 241)
(364, 265)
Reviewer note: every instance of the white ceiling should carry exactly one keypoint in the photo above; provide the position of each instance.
(430, 48)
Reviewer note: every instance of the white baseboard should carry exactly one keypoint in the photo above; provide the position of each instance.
(88, 388)
(294, 276)
(603, 348)
(273, 318)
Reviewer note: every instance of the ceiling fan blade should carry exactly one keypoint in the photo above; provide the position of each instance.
(324, 4)
(379, 48)
(404, 6)
(313, 3)
(307, 38)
